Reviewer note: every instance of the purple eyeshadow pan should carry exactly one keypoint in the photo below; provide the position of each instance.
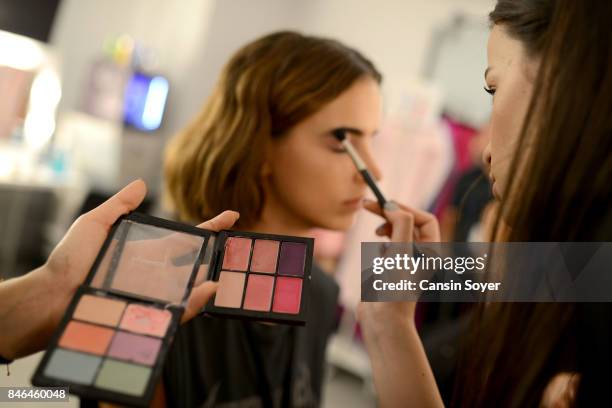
(292, 257)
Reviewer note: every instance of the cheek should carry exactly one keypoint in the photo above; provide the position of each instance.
(300, 172)
(509, 109)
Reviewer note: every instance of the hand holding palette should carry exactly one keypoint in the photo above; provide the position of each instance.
(113, 341)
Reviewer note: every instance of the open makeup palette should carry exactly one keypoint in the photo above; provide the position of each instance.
(113, 340)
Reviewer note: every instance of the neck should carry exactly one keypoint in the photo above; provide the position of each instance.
(275, 219)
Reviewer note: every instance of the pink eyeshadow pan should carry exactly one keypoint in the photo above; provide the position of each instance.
(259, 293)
(265, 252)
(135, 348)
(287, 295)
(237, 253)
(230, 289)
(146, 320)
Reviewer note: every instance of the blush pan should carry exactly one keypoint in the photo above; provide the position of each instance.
(287, 295)
(146, 320)
(265, 253)
(259, 292)
(237, 253)
(231, 287)
(86, 337)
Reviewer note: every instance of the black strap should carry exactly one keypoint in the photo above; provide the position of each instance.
(5, 360)
(265, 389)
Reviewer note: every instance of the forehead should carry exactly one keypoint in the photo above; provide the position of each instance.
(503, 51)
(359, 106)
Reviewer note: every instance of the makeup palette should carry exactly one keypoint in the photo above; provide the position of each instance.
(113, 340)
(261, 277)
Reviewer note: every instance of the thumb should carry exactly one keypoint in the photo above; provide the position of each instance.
(121, 203)
(225, 220)
(200, 295)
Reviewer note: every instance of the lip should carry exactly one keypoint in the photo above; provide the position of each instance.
(494, 190)
(354, 203)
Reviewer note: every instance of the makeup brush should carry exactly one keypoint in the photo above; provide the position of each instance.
(340, 134)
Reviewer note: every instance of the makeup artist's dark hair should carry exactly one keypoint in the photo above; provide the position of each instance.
(267, 87)
(563, 192)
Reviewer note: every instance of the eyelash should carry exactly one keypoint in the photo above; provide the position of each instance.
(490, 91)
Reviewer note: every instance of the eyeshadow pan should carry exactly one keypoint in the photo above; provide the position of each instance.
(292, 256)
(123, 377)
(287, 295)
(146, 320)
(71, 366)
(237, 253)
(229, 292)
(135, 348)
(99, 310)
(265, 252)
(86, 337)
(259, 292)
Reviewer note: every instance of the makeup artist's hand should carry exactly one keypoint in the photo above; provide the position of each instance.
(401, 371)
(32, 306)
(404, 223)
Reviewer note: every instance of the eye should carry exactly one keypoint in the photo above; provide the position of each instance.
(338, 148)
(490, 91)
(335, 145)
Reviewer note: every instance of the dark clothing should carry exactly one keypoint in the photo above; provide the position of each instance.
(233, 363)
(472, 194)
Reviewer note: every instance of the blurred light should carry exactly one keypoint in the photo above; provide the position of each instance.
(44, 97)
(155, 102)
(20, 52)
(7, 163)
(145, 100)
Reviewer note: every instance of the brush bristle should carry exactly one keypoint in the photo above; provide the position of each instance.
(339, 134)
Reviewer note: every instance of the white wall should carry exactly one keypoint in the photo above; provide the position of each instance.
(194, 38)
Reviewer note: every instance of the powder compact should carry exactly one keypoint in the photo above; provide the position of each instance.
(113, 340)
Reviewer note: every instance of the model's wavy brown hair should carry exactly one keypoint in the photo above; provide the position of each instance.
(266, 88)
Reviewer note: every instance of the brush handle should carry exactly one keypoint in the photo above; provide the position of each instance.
(372, 183)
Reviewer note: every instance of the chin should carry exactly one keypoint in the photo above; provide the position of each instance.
(337, 223)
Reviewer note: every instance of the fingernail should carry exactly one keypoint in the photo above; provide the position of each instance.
(391, 206)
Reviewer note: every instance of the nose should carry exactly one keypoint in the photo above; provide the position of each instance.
(486, 156)
(370, 162)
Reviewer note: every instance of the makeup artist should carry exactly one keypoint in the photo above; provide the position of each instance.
(32, 306)
(550, 163)
(264, 145)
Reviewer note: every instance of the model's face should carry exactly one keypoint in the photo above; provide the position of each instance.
(312, 180)
(510, 74)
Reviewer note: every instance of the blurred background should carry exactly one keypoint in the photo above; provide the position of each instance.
(91, 91)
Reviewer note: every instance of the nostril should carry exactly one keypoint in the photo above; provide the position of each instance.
(486, 156)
